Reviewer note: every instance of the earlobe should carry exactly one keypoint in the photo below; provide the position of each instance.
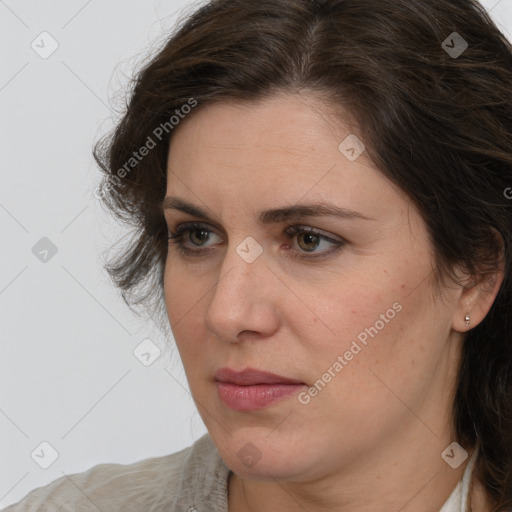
(479, 291)
(476, 300)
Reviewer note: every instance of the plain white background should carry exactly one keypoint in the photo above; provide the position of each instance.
(68, 373)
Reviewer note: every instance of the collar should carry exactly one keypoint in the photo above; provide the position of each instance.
(458, 500)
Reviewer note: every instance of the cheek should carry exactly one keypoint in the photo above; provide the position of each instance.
(185, 300)
(357, 375)
(185, 303)
(387, 360)
(342, 308)
(381, 323)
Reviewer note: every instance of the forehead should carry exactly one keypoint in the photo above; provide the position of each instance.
(284, 149)
(282, 122)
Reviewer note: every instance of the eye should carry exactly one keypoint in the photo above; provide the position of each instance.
(191, 238)
(309, 240)
(197, 234)
(199, 237)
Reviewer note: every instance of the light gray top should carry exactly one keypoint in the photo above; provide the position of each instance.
(192, 480)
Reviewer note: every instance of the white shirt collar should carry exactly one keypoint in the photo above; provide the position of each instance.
(457, 502)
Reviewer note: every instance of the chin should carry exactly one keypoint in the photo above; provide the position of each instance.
(260, 454)
(268, 469)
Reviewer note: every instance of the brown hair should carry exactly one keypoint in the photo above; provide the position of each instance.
(435, 116)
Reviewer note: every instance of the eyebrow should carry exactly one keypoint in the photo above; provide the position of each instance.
(274, 215)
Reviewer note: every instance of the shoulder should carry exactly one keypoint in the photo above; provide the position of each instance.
(151, 484)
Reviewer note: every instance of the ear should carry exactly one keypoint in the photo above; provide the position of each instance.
(477, 297)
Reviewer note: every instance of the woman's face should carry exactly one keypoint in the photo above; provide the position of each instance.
(343, 304)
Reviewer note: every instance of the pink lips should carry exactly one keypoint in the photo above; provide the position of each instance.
(253, 389)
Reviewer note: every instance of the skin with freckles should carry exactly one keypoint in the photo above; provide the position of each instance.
(372, 437)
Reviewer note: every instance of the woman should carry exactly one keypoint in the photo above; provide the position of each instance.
(323, 202)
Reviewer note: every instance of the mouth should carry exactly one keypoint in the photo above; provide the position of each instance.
(253, 389)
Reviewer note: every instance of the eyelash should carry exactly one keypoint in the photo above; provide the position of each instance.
(177, 236)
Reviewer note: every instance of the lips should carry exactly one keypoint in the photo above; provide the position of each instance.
(251, 377)
(251, 390)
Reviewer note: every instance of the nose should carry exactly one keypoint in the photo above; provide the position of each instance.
(243, 303)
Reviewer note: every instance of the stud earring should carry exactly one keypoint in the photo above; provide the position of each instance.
(467, 319)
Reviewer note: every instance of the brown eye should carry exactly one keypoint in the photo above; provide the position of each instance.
(307, 241)
(312, 244)
(199, 236)
(192, 239)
